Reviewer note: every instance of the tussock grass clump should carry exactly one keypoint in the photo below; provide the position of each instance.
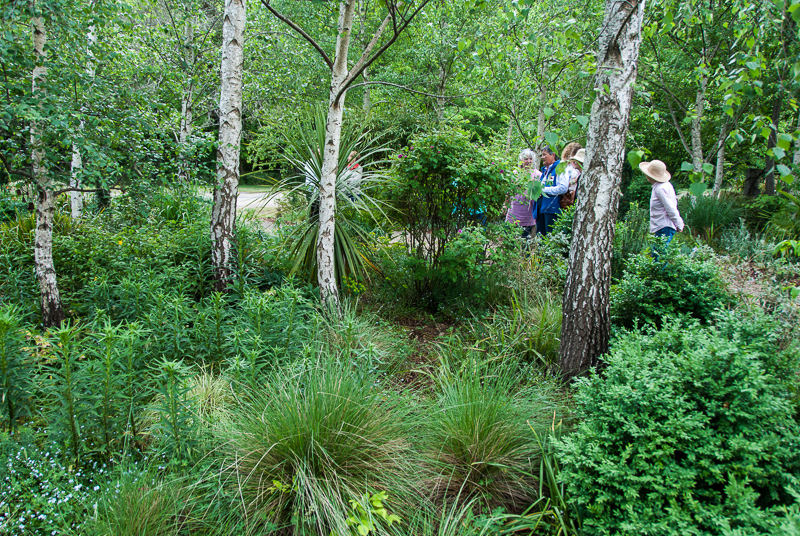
(480, 436)
(300, 449)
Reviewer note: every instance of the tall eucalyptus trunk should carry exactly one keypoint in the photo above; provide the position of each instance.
(52, 311)
(586, 326)
(326, 275)
(223, 215)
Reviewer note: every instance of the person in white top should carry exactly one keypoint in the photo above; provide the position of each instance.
(665, 220)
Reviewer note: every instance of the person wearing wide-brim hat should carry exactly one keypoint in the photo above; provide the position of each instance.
(665, 220)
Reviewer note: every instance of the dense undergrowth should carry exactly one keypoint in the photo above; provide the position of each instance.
(163, 408)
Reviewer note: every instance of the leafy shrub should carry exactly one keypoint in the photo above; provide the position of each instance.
(745, 244)
(15, 368)
(686, 431)
(630, 237)
(443, 182)
(472, 271)
(675, 285)
(308, 442)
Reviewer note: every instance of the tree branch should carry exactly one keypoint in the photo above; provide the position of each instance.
(397, 30)
(12, 171)
(299, 30)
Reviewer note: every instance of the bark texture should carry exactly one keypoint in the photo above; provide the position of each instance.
(52, 311)
(223, 215)
(586, 325)
(326, 274)
(697, 125)
(769, 168)
(719, 172)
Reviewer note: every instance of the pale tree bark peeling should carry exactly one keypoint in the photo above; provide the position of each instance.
(697, 125)
(223, 215)
(586, 325)
(719, 172)
(76, 197)
(52, 311)
(326, 274)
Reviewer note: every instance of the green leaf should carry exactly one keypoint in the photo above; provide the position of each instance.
(752, 65)
(551, 138)
(548, 112)
(708, 168)
(635, 157)
(583, 120)
(765, 132)
(778, 152)
(697, 188)
(686, 166)
(783, 170)
(461, 45)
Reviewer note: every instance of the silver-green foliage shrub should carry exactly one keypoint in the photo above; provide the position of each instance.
(687, 431)
(674, 285)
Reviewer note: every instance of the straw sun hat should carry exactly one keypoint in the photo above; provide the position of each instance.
(580, 155)
(656, 170)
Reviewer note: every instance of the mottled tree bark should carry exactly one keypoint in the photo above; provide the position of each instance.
(769, 167)
(697, 126)
(326, 274)
(52, 311)
(719, 172)
(223, 215)
(586, 326)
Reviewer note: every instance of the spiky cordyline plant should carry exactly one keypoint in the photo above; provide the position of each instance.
(305, 155)
(308, 443)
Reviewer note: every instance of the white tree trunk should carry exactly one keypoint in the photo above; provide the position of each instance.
(697, 125)
(719, 172)
(187, 100)
(796, 157)
(76, 198)
(223, 215)
(586, 325)
(52, 311)
(540, 124)
(326, 274)
(362, 12)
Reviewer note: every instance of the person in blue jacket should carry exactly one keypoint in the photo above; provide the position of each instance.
(548, 205)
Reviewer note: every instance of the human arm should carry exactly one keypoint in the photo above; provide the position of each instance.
(561, 186)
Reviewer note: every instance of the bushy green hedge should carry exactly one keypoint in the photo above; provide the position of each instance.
(688, 430)
(676, 284)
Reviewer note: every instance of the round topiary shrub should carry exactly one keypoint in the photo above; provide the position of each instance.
(685, 432)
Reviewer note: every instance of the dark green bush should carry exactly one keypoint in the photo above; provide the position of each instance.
(675, 285)
(443, 184)
(687, 431)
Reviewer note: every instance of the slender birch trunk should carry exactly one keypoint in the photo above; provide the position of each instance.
(540, 124)
(223, 215)
(187, 100)
(52, 311)
(769, 179)
(326, 274)
(362, 12)
(586, 326)
(697, 125)
(796, 157)
(76, 198)
(719, 172)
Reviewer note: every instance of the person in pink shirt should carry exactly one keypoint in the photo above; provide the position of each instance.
(521, 210)
(665, 220)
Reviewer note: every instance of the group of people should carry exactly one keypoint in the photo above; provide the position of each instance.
(559, 190)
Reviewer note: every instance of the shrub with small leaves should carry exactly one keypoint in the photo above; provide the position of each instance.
(685, 432)
(676, 284)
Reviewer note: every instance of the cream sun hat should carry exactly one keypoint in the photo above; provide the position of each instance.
(580, 155)
(656, 170)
